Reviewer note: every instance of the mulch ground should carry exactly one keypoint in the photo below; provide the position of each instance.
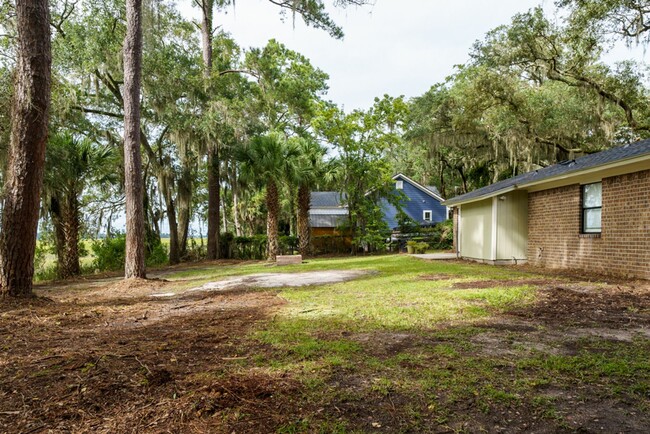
(135, 364)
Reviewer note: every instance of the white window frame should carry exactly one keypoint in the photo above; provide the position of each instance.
(424, 215)
(399, 185)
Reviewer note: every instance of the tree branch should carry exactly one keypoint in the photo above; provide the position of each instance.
(98, 112)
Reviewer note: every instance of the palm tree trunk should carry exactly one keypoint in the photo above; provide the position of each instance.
(59, 232)
(26, 160)
(165, 189)
(273, 208)
(184, 196)
(70, 264)
(235, 201)
(134, 266)
(304, 231)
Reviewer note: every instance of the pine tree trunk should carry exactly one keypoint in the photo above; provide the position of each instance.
(134, 266)
(26, 159)
(213, 205)
(304, 231)
(273, 208)
(207, 7)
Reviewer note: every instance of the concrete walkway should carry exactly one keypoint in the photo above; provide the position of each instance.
(276, 280)
(435, 256)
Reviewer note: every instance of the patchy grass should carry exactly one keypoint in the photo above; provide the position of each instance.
(414, 346)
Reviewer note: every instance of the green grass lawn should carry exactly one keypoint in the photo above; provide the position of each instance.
(404, 351)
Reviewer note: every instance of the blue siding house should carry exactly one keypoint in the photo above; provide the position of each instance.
(421, 203)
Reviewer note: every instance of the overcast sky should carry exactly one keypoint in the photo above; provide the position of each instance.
(396, 47)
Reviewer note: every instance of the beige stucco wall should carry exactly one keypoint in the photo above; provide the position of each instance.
(476, 229)
(512, 226)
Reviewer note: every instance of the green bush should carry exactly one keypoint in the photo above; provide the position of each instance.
(42, 249)
(421, 247)
(288, 244)
(249, 247)
(442, 236)
(157, 256)
(109, 253)
(405, 224)
(437, 237)
(43, 271)
(195, 250)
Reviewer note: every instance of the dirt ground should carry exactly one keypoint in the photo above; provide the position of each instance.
(114, 359)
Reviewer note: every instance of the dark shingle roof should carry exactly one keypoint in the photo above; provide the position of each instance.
(566, 167)
(326, 199)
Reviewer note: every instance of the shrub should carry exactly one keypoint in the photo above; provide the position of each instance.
(157, 256)
(442, 236)
(109, 253)
(421, 247)
(405, 224)
(288, 244)
(195, 251)
(42, 249)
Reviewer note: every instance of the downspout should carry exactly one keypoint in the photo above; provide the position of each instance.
(458, 238)
(493, 246)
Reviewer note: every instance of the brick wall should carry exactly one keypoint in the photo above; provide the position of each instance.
(623, 248)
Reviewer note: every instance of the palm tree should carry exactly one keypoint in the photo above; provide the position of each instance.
(311, 169)
(267, 161)
(70, 164)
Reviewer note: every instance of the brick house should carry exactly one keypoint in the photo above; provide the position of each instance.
(591, 213)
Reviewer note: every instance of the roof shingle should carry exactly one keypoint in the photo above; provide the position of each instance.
(620, 153)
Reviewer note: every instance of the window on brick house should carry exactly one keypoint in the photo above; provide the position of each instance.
(592, 203)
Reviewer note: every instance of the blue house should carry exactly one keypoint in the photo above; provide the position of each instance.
(422, 204)
(419, 202)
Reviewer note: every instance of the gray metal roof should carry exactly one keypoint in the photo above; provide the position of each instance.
(613, 155)
(327, 199)
(433, 188)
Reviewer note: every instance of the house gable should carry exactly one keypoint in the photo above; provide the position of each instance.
(416, 201)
